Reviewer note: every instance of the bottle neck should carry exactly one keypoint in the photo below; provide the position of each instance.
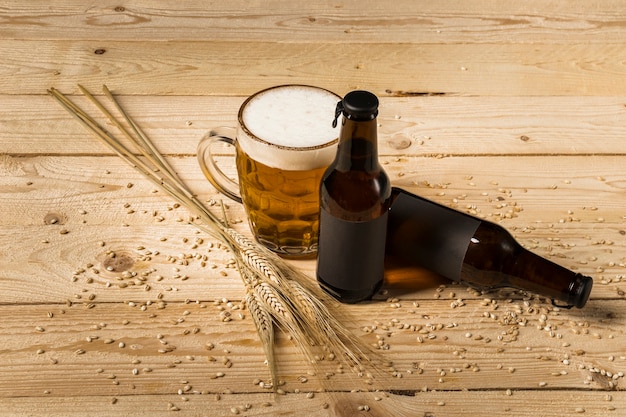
(533, 273)
(495, 259)
(358, 146)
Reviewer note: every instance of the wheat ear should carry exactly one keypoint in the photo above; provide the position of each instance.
(265, 329)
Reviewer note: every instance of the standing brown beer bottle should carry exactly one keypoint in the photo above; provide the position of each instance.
(465, 248)
(354, 199)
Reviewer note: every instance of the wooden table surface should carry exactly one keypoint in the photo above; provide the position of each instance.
(512, 111)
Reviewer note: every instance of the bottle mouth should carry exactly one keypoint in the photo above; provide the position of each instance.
(580, 290)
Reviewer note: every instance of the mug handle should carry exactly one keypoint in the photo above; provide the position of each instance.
(211, 171)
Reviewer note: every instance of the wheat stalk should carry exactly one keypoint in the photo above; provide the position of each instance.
(276, 292)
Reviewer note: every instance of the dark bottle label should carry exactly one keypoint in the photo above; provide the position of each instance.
(428, 234)
(351, 254)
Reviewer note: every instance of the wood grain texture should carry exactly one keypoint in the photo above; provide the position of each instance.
(226, 68)
(408, 21)
(418, 126)
(113, 304)
(238, 48)
(523, 403)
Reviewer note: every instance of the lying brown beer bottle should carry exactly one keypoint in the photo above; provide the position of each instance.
(482, 254)
(354, 200)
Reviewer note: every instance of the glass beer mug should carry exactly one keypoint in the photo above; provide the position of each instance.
(283, 142)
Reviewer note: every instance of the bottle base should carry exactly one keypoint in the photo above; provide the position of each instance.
(349, 296)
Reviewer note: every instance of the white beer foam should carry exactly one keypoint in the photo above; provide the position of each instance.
(290, 118)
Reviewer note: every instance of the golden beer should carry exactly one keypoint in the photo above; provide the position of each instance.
(284, 142)
(282, 205)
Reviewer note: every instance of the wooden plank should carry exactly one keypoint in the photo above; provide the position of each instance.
(420, 126)
(352, 21)
(521, 403)
(588, 186)
(227, 68)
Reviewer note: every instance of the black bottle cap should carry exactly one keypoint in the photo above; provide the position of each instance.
(360, 104)
(357, 105)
